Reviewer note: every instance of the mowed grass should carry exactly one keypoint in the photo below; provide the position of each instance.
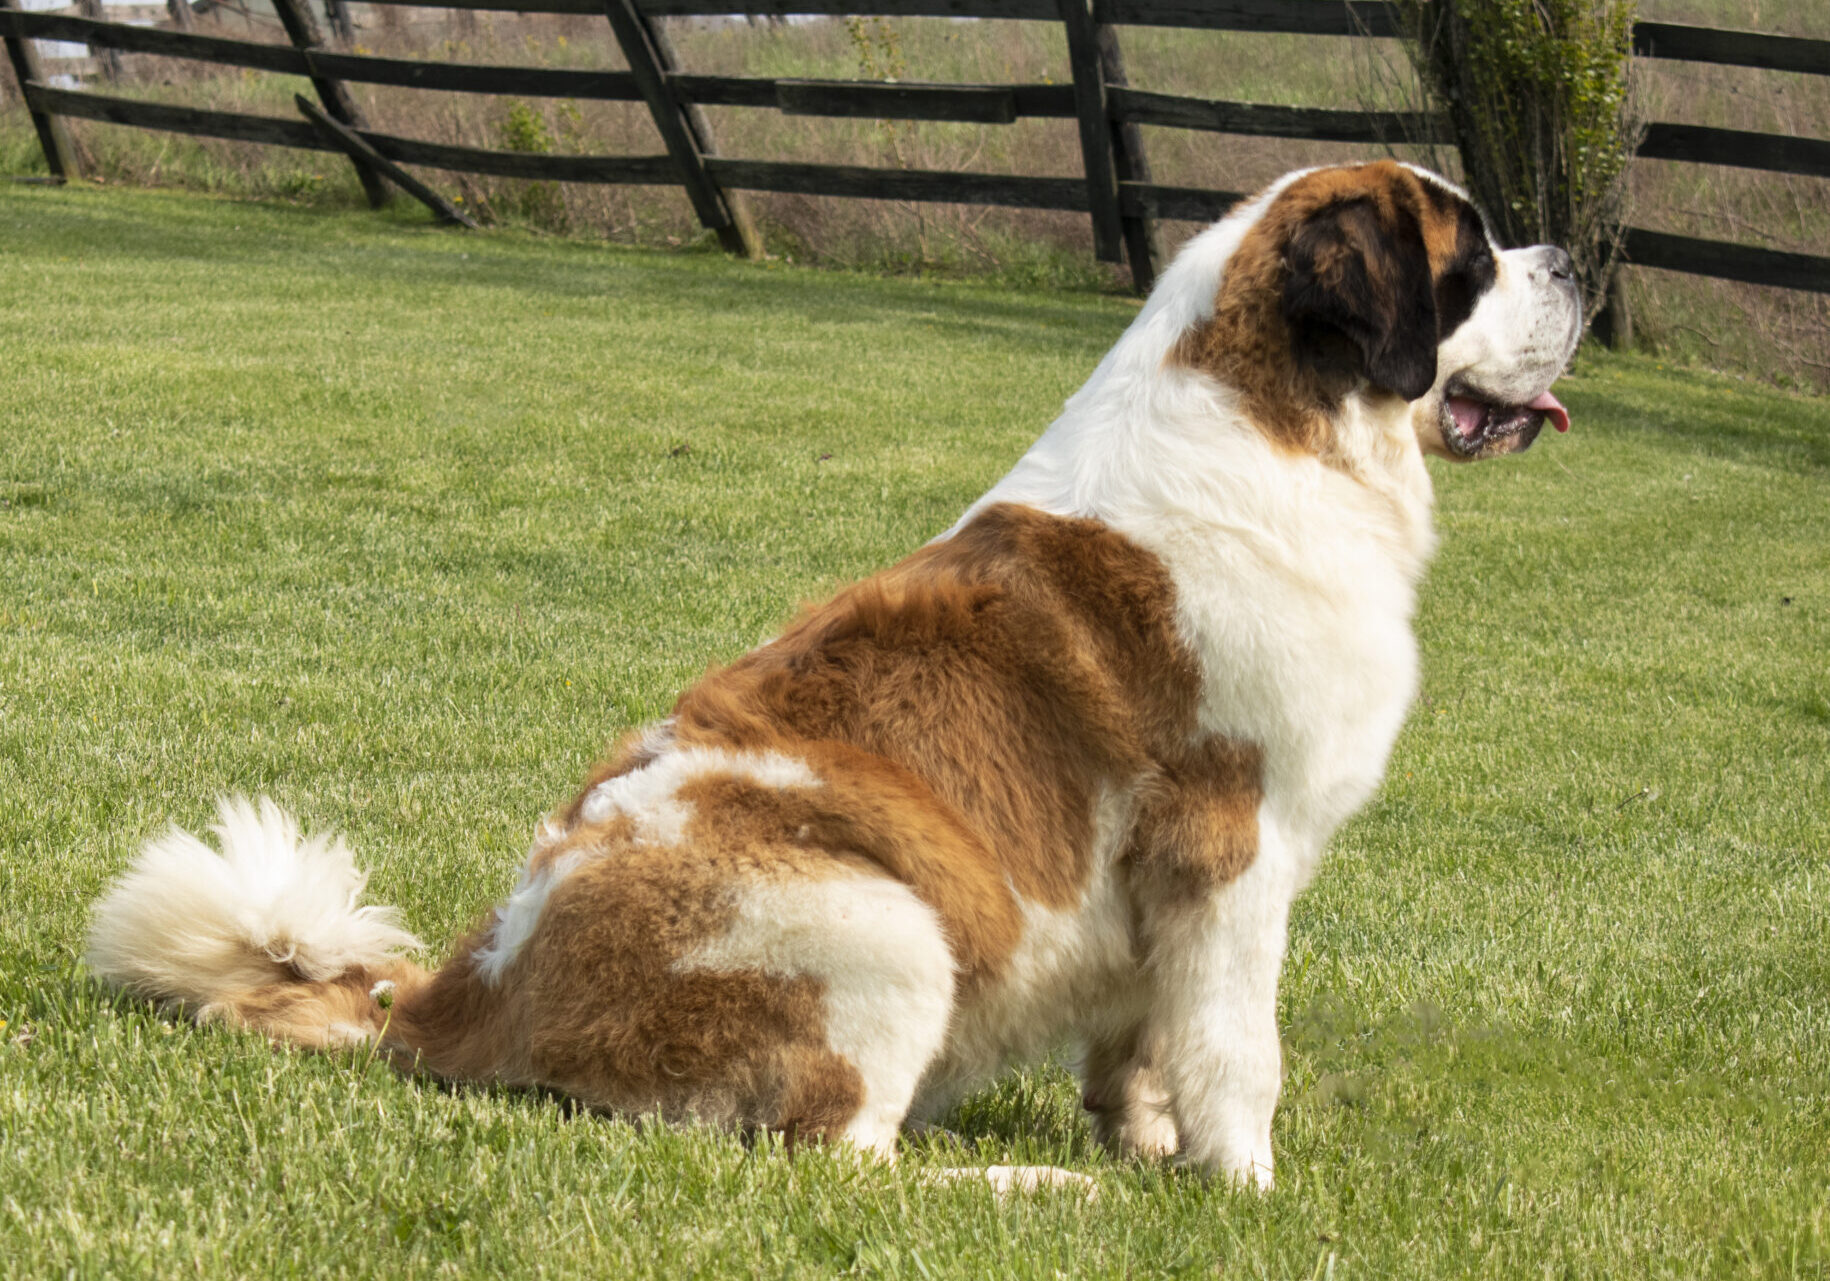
(403, 526)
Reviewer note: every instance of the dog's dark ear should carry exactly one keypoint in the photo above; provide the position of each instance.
(1363, 275)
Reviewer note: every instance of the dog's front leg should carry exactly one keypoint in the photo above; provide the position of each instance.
(1216, 958)
(1124, 1097)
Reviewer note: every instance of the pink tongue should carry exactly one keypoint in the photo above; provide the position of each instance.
(1468, 415)
(1549, 404)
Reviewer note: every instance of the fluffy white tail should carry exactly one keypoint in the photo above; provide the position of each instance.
(186, 923)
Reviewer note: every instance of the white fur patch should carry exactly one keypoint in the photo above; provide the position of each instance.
(649, 797)
(1216, 1015)
(886, 967)
(516, 918)
(186, 922)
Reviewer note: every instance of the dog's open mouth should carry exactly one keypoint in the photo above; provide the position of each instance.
(1477, 426)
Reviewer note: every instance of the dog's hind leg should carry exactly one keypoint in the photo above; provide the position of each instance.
(885, 974)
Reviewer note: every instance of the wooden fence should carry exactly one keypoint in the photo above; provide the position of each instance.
(1115, 188)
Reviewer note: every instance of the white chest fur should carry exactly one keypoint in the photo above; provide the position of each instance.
(1309, 656)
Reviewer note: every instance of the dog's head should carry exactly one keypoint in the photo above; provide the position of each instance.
(1380, 285)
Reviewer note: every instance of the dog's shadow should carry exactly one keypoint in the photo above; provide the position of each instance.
(1027, 1116)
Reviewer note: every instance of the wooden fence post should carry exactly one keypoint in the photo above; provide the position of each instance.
(59, 153)
(302, 30)
(1095, 133)
(683, 127)
(1613, 324)
(341, 25)
(183, 16)
(1143, 238)
(107, 61)
(357, 146)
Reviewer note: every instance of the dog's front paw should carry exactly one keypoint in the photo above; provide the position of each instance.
(1143, 1132)
(1255, 1174)
(1131, 1113)
(1243, 1166)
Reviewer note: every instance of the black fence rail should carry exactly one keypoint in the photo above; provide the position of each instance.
(1115, 188)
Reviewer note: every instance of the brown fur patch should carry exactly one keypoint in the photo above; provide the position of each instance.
(594, 1005)
(964, 713)
(457, 1027)
(971, 705)
(965, 710)
(325, 1014)
(614, 1022)
(1197, 824)
(1249, 344)
(871, 812)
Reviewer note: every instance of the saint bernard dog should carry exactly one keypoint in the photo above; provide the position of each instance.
(1054, 778)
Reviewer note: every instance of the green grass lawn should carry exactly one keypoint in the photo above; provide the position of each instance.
(402, 526)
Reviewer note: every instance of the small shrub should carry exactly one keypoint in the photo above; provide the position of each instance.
(524, 129)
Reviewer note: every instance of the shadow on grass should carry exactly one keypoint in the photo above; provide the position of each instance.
(1029, 1116)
